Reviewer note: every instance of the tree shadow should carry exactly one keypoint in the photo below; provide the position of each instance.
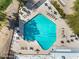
(13, 22)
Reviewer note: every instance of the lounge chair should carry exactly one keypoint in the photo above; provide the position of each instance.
(27, 11)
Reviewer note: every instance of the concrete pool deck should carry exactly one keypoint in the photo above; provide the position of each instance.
(57, 20)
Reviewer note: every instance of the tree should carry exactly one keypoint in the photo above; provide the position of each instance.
(2, 16)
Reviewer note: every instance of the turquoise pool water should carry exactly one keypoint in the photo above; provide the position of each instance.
(41, 29)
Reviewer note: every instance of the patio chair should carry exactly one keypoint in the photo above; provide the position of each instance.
(76, 38)
(62, 41)
(72, 35)
(17, 37)
(72, 40)
(46, 4)
(31, 48)
(55, 12)
(37, 50)
(49, 7)
(68, 41)
(27, 11)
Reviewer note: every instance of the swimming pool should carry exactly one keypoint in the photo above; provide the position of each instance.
(41, 29)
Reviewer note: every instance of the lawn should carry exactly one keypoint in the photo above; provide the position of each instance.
(73, 20)
(3, 19)
(60, 10)
(4, 4)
